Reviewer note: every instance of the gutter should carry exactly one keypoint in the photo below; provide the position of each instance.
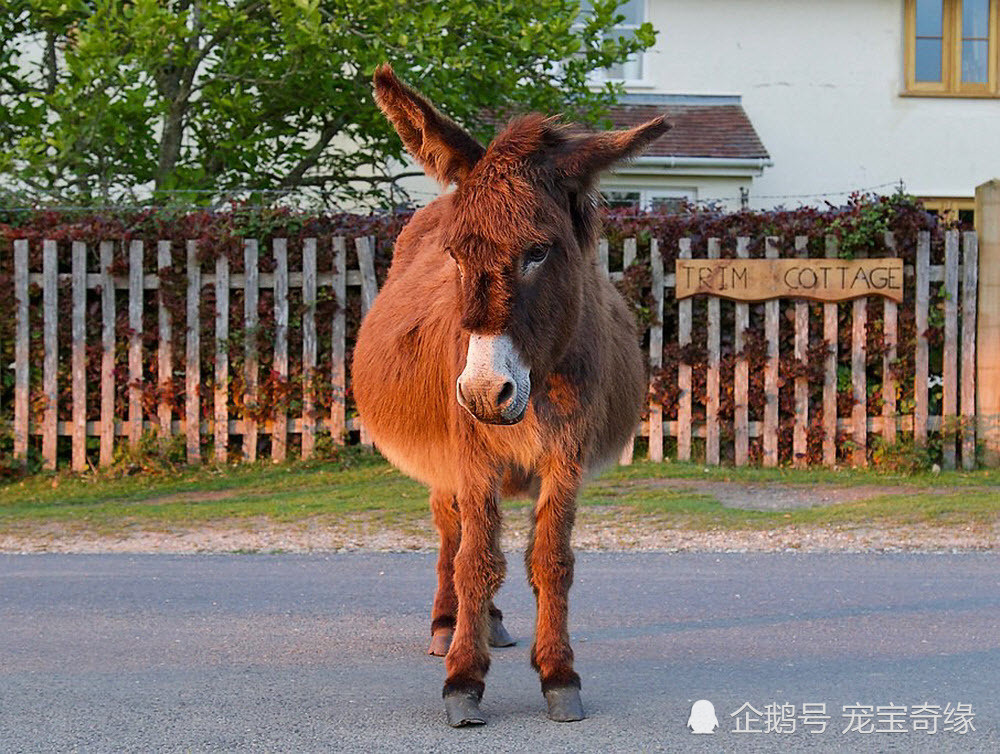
(674, 161)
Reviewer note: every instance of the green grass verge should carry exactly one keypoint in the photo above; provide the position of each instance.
(361, 484)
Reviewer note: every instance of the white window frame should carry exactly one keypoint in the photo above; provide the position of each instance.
(601, 76)
(648, 195)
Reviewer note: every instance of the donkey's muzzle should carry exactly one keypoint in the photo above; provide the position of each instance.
(495, 384)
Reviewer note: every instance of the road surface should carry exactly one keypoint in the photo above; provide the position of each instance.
(314, 653)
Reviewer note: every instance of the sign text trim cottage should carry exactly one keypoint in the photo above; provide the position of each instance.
(816, 279)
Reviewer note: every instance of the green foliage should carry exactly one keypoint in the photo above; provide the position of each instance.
(152, 455)
(864, 225)
(108, 102)
(901, 457)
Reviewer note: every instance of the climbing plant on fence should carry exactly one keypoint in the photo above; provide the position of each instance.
(858, 228)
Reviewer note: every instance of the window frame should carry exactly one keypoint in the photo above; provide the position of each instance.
(951, 84)
(599, 77)
(647, 194)
(948, 207)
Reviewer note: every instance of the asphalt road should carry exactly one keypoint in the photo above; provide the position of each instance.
(326, 653)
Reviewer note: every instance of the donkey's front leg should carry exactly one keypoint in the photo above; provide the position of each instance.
(444, 509)
(479, 572)
(446, 519)
(549, 560)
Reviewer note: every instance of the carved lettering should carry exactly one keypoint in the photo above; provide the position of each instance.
(816, 279)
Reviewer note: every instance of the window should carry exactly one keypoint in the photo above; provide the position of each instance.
(951, 209)
(622, 199)
(634, 12)
(656, 199)
(951, 47)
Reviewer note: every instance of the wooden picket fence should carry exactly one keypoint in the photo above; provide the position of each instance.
(137, 282)
(954, 423)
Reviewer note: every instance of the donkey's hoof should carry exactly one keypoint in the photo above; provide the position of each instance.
(440, 642)
(462, 708)
(564, 704)
(498, 634)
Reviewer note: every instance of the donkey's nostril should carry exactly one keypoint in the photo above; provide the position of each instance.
(506, 393)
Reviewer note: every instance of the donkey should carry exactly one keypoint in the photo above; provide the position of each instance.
(499, 360)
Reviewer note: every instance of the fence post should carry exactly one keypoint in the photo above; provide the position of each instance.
(135, 373)
(831, 338)
(800, 432)
(79, 357)
(949, 369)
(656, 350)
(279, 435)
(309, 349)
(741, 371)
(107, 425)
(192, 359)
(338, 377)
(970, 272)
(50, 362)
(772, 310)
(164, 348)
(21, 352)
(684, 309)
(988, 335)
(251, 298)
(714, 337)
(221, 394)
(859, 379)
(365, 249)
(628, 257)
(922, 355)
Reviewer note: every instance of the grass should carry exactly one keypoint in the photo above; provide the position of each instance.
(947, 498)
(362, 484)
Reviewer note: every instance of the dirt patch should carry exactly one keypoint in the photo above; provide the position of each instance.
(192, 497)
(598, 528)
(778, 497)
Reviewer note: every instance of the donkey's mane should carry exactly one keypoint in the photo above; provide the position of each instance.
(522, 159)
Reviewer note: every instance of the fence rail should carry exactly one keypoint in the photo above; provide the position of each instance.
(722, 437)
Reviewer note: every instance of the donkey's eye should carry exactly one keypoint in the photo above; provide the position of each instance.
(535, 255)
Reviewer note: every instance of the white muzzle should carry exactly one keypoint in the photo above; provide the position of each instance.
(495, 384)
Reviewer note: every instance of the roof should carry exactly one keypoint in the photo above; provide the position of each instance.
(702, 126)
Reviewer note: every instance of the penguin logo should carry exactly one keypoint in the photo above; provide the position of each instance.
(703, 719)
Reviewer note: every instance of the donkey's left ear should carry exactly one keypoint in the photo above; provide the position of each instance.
(446, 152)
(586, 156)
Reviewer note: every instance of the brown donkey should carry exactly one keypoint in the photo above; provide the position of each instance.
(499, 360)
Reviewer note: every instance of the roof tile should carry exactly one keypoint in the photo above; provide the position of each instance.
(698, 130)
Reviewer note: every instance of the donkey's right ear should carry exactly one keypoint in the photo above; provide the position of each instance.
(446, 152)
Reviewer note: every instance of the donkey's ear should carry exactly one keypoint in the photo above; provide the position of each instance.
(446, 152)
(586, 156)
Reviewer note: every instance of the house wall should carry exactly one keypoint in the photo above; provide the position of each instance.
(821, 82)
(721, 190)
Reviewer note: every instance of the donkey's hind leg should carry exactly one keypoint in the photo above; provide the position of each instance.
(549, 561)
(445, 512)
(498, 634)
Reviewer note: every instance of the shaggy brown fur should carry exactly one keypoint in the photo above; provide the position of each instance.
(458, 270)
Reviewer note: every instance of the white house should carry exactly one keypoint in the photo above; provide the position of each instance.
(804, 101)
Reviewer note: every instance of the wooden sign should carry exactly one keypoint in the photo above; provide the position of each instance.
(816, 279)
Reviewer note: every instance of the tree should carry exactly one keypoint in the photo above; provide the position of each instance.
(109, 101)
